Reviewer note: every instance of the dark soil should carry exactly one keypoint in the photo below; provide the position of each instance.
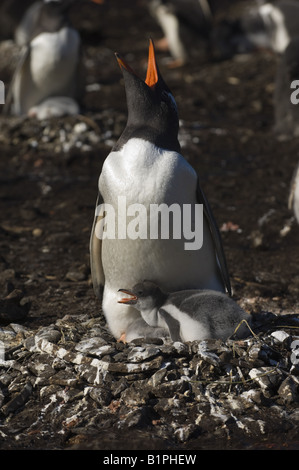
(47, 195)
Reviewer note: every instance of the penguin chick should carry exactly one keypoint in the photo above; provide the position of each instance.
(188, 315)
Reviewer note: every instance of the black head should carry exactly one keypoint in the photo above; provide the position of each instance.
(53, 13)
(152, 110)
(144, 295)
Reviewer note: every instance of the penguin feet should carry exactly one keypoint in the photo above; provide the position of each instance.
(176, 63)
(162, 44)
(122, 338)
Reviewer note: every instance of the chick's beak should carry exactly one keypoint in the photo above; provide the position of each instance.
(128, 300)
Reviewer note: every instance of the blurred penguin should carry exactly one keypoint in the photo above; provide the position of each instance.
(49, 66)
(268, 26)
(186, 25)
(294, 194)
(286, 108)
(286, 96)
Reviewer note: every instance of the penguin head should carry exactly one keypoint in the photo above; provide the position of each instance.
(52, 16)
(144, 296)
(152, 110)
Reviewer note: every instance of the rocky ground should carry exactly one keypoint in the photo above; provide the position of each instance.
(65, 383)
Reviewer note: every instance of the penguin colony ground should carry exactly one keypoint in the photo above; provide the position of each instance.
(45, 85)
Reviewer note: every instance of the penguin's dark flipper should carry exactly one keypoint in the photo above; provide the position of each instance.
(95, 248)
(201, 197)
(173, 325)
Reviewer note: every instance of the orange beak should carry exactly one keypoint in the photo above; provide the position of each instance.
(123, 64)
(152, 70)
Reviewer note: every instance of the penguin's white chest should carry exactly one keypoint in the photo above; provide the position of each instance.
(54, 57)
(146, 174)
(146, 177)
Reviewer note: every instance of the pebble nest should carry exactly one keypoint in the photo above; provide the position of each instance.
(72, 384)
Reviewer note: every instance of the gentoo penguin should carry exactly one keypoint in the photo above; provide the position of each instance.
(145, 170)
(49, 62)
(286, 94)
(268, 26)
(188, 315)
(186, 25)
(294, 194)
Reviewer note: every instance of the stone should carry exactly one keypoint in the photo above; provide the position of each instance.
(95, 346)
(267, 378)
(280, 335)
(12, 309)
(288, 390)
(101, 395)
(18, 401)
(140, 354)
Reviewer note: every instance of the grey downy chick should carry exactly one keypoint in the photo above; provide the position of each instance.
(188, 315)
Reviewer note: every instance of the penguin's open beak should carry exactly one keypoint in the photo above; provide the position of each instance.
(152, 75)
(128, 300)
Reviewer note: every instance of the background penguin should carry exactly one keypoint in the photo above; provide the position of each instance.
(186, 25)
(49, 63)
(188, 315)
(294, 194)
(268, 26)
(145, 167)
(286, 110)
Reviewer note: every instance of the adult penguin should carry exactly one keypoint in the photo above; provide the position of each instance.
(146, 168)
(49, 64)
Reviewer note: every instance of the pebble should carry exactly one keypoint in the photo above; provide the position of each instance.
(12, 308)
(280, 335)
